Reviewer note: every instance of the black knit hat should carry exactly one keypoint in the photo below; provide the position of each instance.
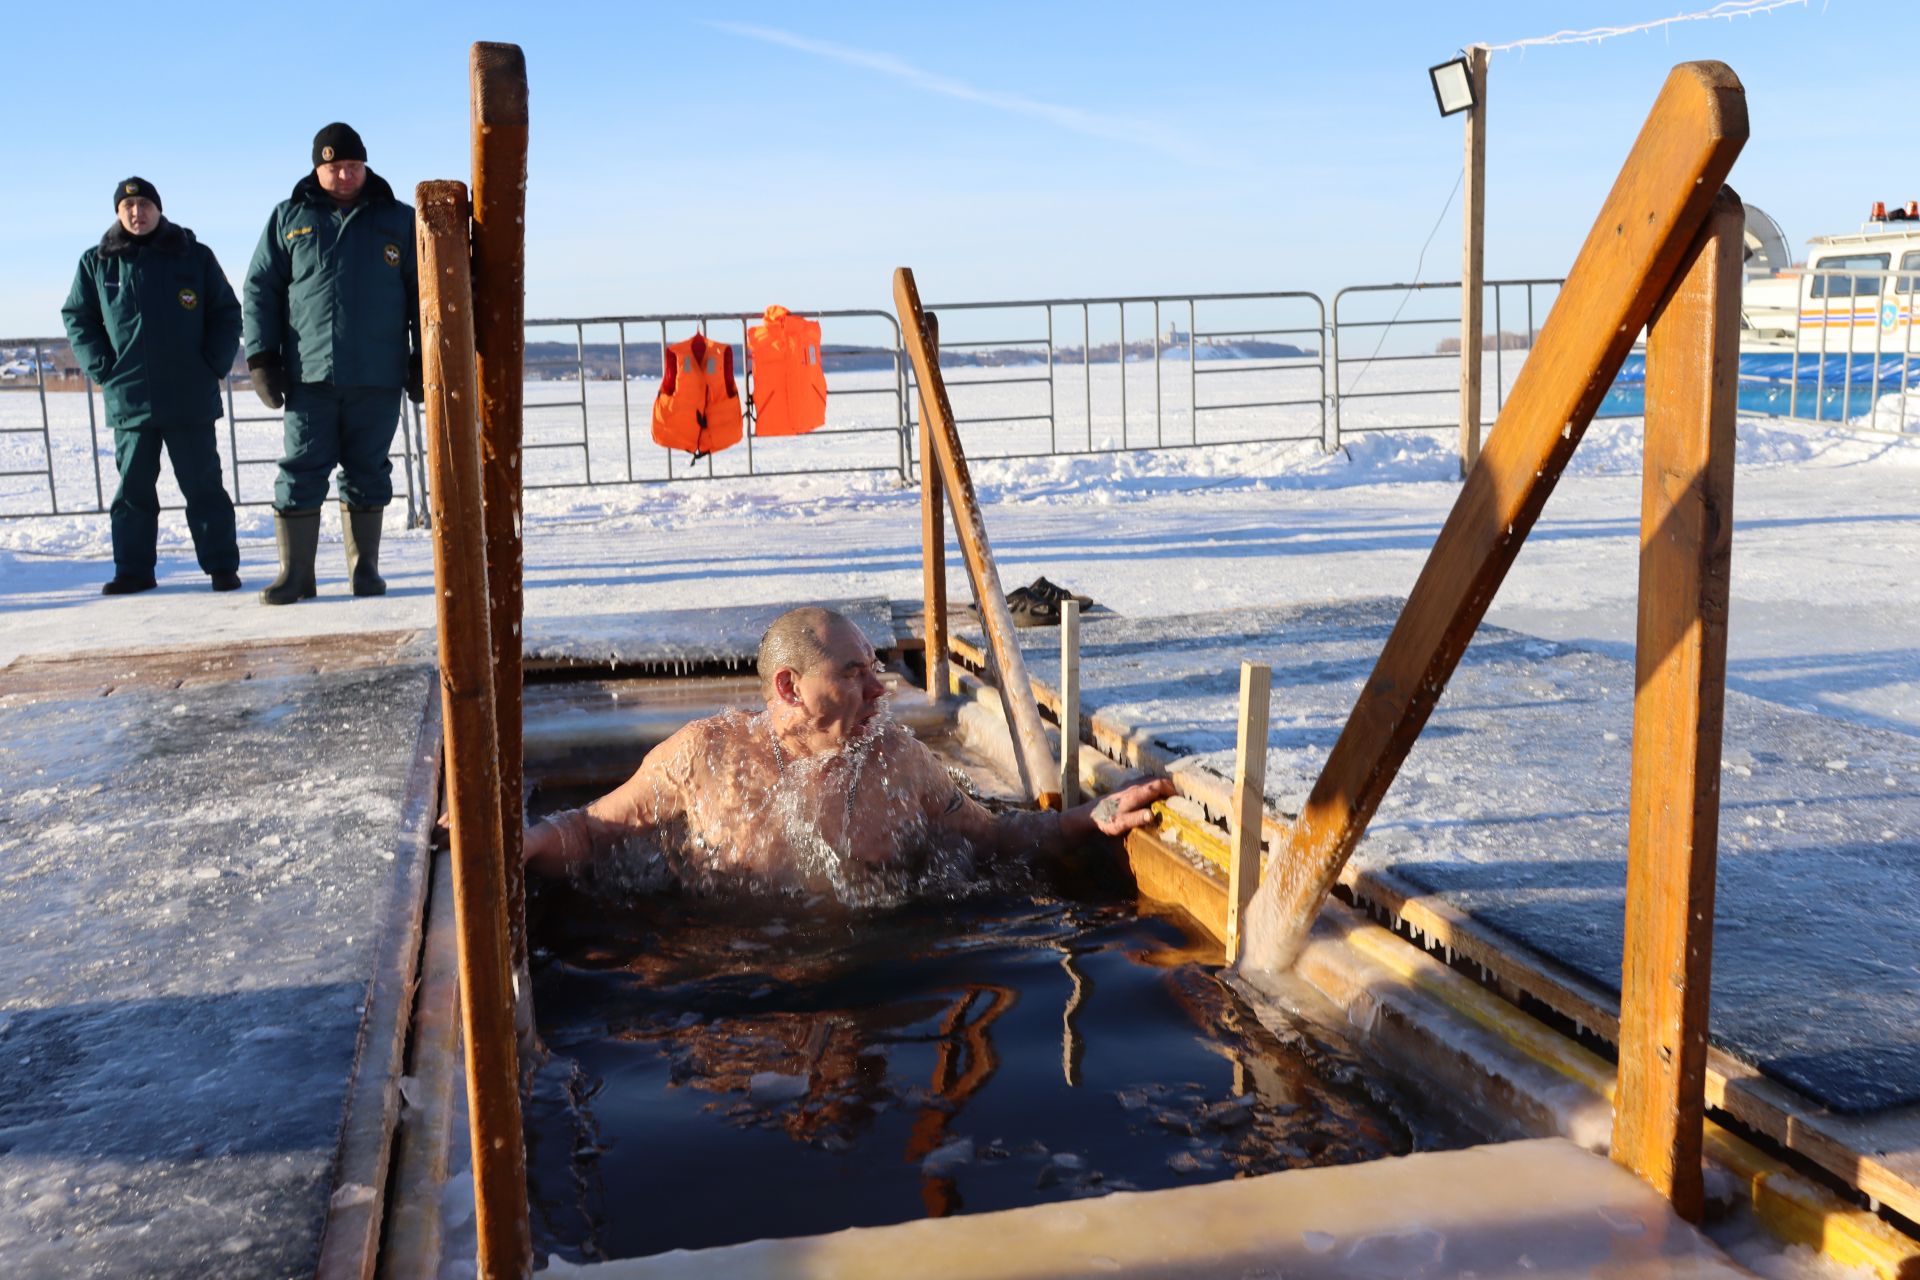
(337, 142)
(135, 189)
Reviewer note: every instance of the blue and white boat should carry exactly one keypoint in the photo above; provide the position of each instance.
(1830, 339)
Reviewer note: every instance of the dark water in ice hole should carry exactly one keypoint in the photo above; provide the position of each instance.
(723, 1074)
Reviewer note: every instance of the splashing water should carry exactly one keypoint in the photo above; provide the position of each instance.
(729, 815)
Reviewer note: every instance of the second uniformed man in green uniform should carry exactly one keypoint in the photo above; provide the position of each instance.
(332, 333)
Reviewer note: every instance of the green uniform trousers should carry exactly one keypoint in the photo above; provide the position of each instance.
(328, 426)
(135, 513)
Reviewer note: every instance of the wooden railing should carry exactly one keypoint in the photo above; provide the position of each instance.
(1663, 255)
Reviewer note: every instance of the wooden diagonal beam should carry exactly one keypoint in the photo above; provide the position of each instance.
(1685, 149)
(1030, 749)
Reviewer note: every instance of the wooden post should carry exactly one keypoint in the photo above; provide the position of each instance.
(1030, 750)
(933, 541)
(1650, 218)
(473, 778)
(1249, 799)
(1680, 661)
(498, 74)
(1069, 703)
(1473, 214)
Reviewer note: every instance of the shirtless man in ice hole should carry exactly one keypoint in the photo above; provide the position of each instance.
(818, 793)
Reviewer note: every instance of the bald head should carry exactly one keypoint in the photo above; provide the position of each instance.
(799, 640)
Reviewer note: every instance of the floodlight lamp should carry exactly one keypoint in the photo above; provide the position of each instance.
(1452, 86)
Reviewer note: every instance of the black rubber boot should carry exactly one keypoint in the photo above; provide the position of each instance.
(126, 584)
(298, 533)
(362, 528)
(225, 580)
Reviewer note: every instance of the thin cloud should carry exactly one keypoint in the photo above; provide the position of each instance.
(1072, 119)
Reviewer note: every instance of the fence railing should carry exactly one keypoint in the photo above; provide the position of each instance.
(601, 359)
(1371, 330)
(1064, 376)
(1846, 350)
(1031, 378)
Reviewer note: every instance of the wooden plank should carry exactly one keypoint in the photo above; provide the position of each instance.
(1473, 303)
(1792, 1206)
(1697, 127)
(473, 777)
(497, 74)
(1069, 703)
(1879, 1155)
(1032, 753)
(412, 1242)
(350, 1241)
(933, 539)
(1164, 874)
(1249, 799)
(1680, 661)
(103, 672)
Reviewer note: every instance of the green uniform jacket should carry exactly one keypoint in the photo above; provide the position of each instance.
(332, 290)
(155, 324)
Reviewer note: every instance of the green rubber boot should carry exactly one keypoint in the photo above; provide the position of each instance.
(298, 533)
(362, 528)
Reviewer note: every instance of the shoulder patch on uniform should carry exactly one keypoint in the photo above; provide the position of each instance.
(392, 254)
(299, 231)
(189, 299)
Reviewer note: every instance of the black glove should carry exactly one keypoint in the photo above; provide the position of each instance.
(269, 379)
(416, 379)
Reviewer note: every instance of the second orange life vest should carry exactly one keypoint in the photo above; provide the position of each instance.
(698, 408)
(789, 386)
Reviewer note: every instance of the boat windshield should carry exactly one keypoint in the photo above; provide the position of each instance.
(1849, 286)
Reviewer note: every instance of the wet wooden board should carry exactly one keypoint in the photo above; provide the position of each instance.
(102, 673)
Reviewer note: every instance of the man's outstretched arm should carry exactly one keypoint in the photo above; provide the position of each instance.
(1026, 832)
(572, 838)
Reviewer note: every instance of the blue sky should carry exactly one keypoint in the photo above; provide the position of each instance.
(726, 157)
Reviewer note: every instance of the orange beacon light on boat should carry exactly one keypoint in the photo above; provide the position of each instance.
(789, 385)
(698, 408)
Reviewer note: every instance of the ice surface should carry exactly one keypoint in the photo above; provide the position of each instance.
(722, 634)
(175, 1046)
(1512, 807)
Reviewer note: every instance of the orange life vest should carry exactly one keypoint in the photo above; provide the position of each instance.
(789, 386)
(698, 408)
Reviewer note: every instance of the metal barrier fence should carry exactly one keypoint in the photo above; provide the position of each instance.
(70, 428)
(1840, 348)
(866, 397)
(1067, 367)
(1379, 337)
(1036, 378)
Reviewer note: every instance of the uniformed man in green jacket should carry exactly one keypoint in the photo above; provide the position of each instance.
(154, 322)
(333, 334)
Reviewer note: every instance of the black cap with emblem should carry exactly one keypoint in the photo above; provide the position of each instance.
(134, 189)
(337, 142)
